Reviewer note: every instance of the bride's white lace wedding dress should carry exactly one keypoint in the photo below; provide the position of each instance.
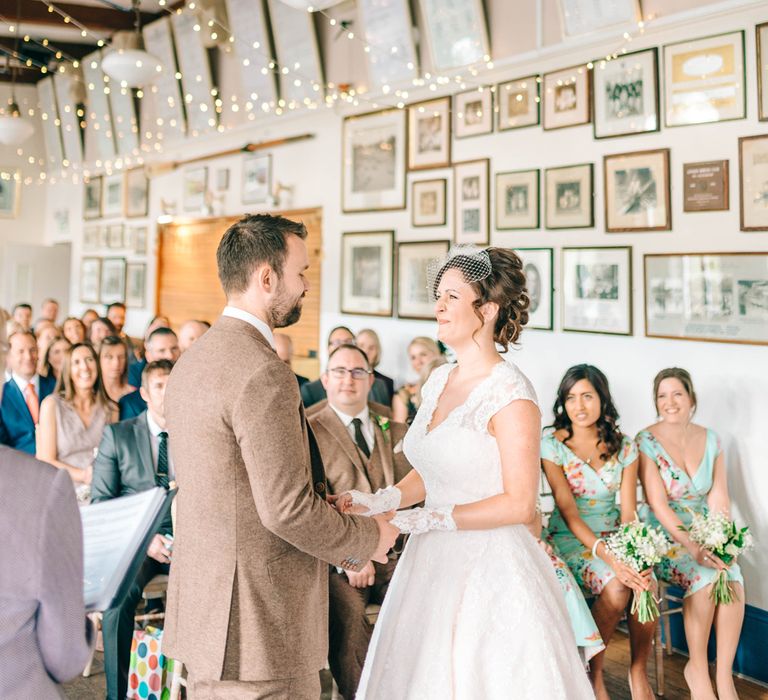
(471, 614)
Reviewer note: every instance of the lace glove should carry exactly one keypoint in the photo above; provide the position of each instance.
(417, 521)
(382, 501)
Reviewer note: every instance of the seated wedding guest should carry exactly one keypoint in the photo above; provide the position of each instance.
(22, 394)
(313, 392)
(72, 419)
(45, 332)
(113, 363)
(11, 327)
(190, 331)
(406, 401)
(161, 344)
(22, 314)
(157, 322)
(100, 329)
(45, 637)
(53, 359)
(588, 461)
(368, 340)
(116, 314)
(133, 457)
(73, 329)
(360, 450)
(88, 317)
(284, 349)
(682, 470)
(50, 310)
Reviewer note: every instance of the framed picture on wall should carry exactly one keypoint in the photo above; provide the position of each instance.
(113, 195)
(538, 266)
(373, 161)
(90, 280)
(596, 290)
(137, 193)
(90, 237)
(367, 269)
(471, 202)
(626, 94)
(753, 179)
(704, 80)
(10, 191)
(92, 198)
(138, 239)
(569, 200)
(518, 103)
(115, 236)
(257, 178)
(428, 202)
(413, 298)
(566, 97)
(720, 297)
(135, 285)
(705, 186)
(429, 134)
(195, 186)
(637, 191)
(103, 237)
(222, 179)
(112, 280)
(473, 112)
(517, 200)
(761, 42)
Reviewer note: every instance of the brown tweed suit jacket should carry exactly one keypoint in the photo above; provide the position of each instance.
(248, 589)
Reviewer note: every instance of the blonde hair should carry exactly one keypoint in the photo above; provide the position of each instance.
(427, 343)
(426, 371)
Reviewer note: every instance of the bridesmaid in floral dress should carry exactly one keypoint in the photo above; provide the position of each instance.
(588, 462)
(682, 468)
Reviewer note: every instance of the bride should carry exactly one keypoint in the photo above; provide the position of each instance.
(474, 610)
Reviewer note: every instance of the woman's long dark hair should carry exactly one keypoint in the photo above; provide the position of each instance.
(608, 431)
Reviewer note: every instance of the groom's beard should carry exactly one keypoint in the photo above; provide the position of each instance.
(286, 311)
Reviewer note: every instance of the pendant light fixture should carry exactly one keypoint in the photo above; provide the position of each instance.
(132, 66)
(14, 129)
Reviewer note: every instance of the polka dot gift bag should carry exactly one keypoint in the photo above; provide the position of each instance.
(150, 673)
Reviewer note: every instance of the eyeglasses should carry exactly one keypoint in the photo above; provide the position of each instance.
(341, 372)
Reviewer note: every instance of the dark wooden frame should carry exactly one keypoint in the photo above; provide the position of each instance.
(551, 290)
(444, 182)
(724, 174)
(538, 80)
(496, 200)
(588, 76)
(393, 279)
(400, 245)
(410, 137)
(742, 139)
(486, 203)
(591, 223)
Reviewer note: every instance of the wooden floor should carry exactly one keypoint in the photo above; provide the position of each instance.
(615, 667)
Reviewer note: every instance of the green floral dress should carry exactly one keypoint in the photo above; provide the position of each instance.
(595, 494)
(684, 493)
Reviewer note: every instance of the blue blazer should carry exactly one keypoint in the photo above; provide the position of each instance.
(131, 405)
(134, 372)
(16, 427)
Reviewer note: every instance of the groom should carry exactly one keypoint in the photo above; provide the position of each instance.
(247, 609)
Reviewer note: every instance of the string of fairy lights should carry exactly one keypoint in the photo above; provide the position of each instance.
(152, 138)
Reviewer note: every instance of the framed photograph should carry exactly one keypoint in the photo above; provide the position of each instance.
(195, 188)
(518, 103)
(92, 198)
(137, 193)
(720, 297)
(413, 298)
(456, 32)
(566, 97)
(112, 280)
(373, 161)
(367, 268)
(538, 266)
(257, 178)
(596, 290)
(138, 240)
(103, 237)
(753, 178)
(761, 42)
(517, 200)
(704, 80)
(90, 280)
(135, 285)
(10, 191)
(429, 134)
(115, 236)
(637, 191)
(569, 198)
(625, 94)
(705, 186)
(113, 195)
(90, 237)
(428, 202)
(222, 179)
(471, 202)
(473, 112)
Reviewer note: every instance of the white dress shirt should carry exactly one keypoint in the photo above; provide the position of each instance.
(22, 383)
(154, 441)
(366, 427)
(255, 321)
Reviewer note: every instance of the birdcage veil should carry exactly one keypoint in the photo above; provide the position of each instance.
(474, 264)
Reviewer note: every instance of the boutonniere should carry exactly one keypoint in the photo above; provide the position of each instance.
(383, 423)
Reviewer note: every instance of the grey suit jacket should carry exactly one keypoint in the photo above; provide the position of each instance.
(44, 634)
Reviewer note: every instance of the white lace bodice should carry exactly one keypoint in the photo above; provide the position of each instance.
(459, 459)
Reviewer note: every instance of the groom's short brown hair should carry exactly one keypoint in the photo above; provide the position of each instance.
(252, 241)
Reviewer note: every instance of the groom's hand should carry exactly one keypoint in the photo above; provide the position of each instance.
(388, 535)
(363, 578)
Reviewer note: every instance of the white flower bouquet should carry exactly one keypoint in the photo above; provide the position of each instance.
(639, 546)
(720, 535)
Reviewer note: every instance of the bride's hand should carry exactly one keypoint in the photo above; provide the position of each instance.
(344, 504)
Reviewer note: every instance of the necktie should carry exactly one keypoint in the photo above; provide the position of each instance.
(360, 438)
(30, 396)
(161, 478)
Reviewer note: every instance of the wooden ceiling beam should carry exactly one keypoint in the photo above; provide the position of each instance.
(93, 17)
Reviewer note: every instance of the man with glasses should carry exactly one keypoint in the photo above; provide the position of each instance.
(361, 449)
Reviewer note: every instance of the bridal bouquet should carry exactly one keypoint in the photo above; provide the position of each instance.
(720, 535)
(639, 546)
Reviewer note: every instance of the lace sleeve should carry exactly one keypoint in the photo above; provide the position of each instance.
(509, 385)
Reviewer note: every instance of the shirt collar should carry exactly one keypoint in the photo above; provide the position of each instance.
(154, 428)
(255, 321)
(346, 419)
(22, 383)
